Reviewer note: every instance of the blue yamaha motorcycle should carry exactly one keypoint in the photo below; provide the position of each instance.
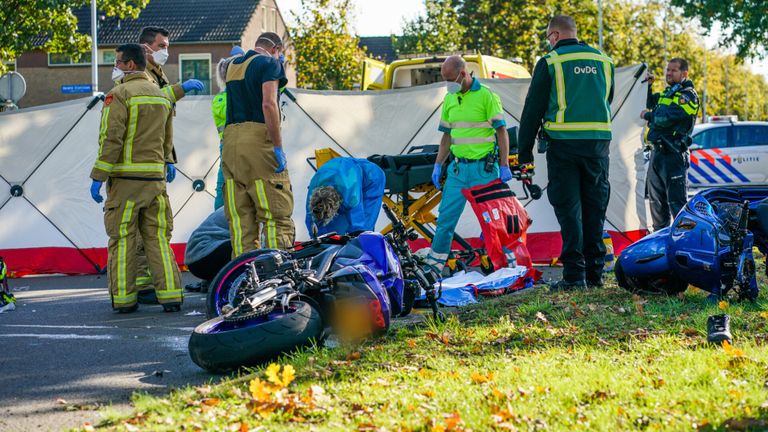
(268, 302)
(709, 245)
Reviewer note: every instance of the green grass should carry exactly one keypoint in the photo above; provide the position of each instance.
(598, 360)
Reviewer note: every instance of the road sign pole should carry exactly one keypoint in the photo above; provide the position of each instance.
(94, 52)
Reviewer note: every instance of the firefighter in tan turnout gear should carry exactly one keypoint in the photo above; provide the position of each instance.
(155, 41)
(135, 159)
(258, 196)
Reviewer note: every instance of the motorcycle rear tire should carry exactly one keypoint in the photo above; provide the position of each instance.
(669, 285)
(250, 345)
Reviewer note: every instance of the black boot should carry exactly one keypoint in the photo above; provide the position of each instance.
(147, 296)
(564, 285)
(719, 329)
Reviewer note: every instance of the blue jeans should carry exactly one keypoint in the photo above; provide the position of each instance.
(460, 176)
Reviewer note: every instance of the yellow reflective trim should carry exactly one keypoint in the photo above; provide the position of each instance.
(162, 238)
(103, 166)
(149, 100)
(132, 119)
(130, 167)
(577, 56)
(237, 235)
(560, 85)
(168, 90)
(124, 299)
(473, 140)
(122, 282)
(103, 129)
(271, 228)
(584, 126)
(166, 294)
(607, 70)
(143, 280)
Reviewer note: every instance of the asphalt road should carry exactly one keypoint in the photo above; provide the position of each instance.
(64, 353)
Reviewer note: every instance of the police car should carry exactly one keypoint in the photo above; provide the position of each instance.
(727, 152)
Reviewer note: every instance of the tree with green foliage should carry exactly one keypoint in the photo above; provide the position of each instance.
(438, 31)
(326, 51)
(24, 24)
(746, 22)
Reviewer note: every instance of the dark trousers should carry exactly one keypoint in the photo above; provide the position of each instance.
(207, 267)
(666, 182)
(579, 191)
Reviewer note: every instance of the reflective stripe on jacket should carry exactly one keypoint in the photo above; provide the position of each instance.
(156, 74)
(579, 100)
(135, 133)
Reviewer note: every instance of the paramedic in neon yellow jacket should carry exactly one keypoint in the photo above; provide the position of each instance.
(345, 196)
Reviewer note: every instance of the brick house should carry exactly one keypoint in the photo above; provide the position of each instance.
(201, 33)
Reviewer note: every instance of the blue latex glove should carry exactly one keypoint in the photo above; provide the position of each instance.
(436, 175)
(281, 161)
(96, 191)
(505, 174)
(170, 172)
(192, 84)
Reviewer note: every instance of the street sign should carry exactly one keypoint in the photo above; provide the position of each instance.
(12, 87)
(76, 88)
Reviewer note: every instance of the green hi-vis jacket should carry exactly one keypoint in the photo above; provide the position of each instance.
(471, 119)
(219, 111)
(579, 99)
(136, 132)
(673, 112)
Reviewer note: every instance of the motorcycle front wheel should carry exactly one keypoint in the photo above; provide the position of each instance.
(220, 292)
(219, 346)
(667, 285)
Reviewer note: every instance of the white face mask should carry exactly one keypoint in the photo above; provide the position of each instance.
(160, 56)
(455, 86)
(117, 74)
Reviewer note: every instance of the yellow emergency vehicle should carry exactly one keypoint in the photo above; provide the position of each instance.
(425, 69)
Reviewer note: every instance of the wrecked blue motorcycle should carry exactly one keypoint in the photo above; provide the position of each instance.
(269, 302)
(709, 245)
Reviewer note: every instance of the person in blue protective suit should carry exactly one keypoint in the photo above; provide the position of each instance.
(345, 196)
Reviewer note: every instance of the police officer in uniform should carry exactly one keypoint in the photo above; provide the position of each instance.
(569, 98)
(474, 131)
(671, 116)
(257, 188)
(135, 143)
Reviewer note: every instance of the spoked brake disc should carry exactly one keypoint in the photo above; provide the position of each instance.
(245, 312)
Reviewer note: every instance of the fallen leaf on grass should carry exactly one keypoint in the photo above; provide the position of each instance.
(494, 332)
(658, 382)
(540, 316)
(723, 305)
(639, 302)
(479, 378)
(353, 356)
(280, 379)
(690, 332)
(576, 310)
(88, 427)
(444, 338)
(211, 401)
(411, 343)
(764, 314)
(731, 351)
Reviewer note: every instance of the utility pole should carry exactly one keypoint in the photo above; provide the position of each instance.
(704, 92)
(727, 107)
(746, 99)
(94, 52)
(600, 24)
